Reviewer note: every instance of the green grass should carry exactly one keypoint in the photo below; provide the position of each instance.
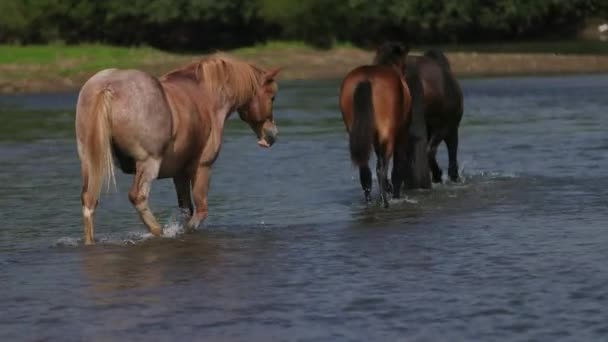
(48, 62)
(44, 54)
(65, 61)
(69, 65)
(583, 47)
(278, 46)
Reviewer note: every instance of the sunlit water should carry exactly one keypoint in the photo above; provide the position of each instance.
(517, 252)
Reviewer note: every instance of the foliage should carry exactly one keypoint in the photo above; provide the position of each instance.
(208, 24)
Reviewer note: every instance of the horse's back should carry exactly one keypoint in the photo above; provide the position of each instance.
(387, 87)
(140, 117)
(441, 92)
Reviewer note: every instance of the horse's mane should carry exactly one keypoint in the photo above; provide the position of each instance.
(224, 75)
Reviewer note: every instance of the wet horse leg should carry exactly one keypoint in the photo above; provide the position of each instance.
(200, 189)
(432, 153)
(381, 173)
(184, 201)
(365, 177)
(146, 171)
(397, 176)
(451, 142)
(89, 203)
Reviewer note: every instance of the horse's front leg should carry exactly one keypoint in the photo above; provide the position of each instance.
(434, 141)
(184, 201)
(452, 143)
(200, 188)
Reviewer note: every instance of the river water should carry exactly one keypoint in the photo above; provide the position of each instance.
(515, 252)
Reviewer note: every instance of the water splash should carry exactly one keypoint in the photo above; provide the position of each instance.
(67, 242)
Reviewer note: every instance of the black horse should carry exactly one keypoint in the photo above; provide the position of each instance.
(437, 108)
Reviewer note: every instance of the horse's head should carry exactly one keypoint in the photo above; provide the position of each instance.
(258, 111)
(392, 53)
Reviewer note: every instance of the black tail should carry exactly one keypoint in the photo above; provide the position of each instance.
(439, 57)
(362, 130)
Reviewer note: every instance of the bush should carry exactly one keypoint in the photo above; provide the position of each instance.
(209, 24)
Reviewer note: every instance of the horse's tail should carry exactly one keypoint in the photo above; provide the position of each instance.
(97, 150)
(439, 57)
(362, 130)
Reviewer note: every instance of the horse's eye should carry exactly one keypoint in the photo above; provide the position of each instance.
(273, 98)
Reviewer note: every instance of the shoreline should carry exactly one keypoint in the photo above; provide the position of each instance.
(300, 64)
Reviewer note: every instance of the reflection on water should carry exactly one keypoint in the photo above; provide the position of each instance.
(290, 251)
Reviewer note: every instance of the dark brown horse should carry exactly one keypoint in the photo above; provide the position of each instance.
(437, 104)
(375, 103)
(169, 127)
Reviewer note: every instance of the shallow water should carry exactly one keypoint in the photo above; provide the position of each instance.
(515, 252)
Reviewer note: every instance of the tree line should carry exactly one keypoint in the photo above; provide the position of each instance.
(211, 24)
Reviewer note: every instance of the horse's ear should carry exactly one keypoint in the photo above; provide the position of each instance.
(271, 75)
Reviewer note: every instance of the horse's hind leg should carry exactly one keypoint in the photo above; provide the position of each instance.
(382, 174)
(432, 153)
(399, 173)
(451, 142)
(146, 171)
(89, 203)
(365, 176)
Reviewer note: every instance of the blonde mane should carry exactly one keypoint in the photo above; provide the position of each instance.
(230, 78)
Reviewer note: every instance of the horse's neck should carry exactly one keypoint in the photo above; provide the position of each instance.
(219, 115)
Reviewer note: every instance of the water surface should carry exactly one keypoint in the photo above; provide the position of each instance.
(516, 252)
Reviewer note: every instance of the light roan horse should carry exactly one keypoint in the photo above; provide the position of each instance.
(167, 127)
(375, 102)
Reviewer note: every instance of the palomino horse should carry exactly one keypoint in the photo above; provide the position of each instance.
(375, 103)
(437, 100)
(166, 127)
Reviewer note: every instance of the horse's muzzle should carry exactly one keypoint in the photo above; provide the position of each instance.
(269, 135)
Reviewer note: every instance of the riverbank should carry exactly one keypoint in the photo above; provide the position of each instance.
(60, 68)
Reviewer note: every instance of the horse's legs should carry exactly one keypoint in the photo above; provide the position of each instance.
(182, 188)
(365, 176)
(146, 171)
(399, 168)
(200, 188)
(381, 173)
(89, 203)
(431, 153)
(451, 142)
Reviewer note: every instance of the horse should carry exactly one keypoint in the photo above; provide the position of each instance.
(375, 103)
(438, 104)
(167, 127)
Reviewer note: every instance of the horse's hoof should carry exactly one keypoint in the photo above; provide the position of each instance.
(368, 197)
(454, 176)
(156, 232)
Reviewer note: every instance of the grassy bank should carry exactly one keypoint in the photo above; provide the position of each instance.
(59, 67)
